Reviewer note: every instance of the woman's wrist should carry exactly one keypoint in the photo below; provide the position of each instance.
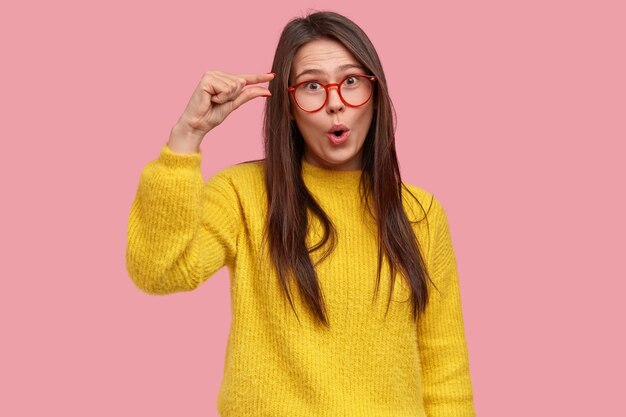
(184, 140)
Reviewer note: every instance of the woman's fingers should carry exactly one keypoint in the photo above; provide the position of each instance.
(218, 94)
(256, 78)
(225, 87)
(248, 94)
(230, 86)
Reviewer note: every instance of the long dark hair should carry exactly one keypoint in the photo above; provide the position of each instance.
(289, 200)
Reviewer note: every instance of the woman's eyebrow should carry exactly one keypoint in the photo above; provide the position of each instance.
(318, 71)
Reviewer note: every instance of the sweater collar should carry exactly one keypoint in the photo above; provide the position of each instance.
(330, 178)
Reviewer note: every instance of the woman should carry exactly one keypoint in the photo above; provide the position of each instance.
(308, 234)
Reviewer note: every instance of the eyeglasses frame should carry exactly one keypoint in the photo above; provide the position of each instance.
(292, 90)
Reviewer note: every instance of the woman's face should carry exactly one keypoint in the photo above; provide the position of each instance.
(325, 58)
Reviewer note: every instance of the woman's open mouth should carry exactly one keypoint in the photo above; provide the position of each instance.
(339, 136)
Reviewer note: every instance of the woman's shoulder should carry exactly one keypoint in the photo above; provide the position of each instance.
(418, 199)
(422, 203)
(417, 191)
(242, 172)
(245, 179)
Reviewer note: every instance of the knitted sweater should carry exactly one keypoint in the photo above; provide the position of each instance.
(182, 230)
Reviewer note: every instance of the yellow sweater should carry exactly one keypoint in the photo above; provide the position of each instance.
(182, 230)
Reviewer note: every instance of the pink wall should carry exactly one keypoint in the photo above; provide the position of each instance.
(512, 114)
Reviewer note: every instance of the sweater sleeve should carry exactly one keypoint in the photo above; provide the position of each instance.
(181, 230)
(441, 336)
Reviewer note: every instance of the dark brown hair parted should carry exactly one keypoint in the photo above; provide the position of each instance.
(289, 200)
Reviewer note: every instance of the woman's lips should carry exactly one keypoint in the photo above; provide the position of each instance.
(338, 140)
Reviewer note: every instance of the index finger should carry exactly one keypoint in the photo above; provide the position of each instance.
(256, 78)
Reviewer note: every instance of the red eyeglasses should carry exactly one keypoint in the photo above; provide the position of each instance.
(354, 91)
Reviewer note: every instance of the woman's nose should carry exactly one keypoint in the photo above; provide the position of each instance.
(334, 103)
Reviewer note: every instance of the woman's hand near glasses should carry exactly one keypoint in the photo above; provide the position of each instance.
(215, 97)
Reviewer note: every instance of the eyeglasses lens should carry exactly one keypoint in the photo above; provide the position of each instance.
(354, 90)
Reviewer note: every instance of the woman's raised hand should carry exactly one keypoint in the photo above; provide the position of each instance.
(215, 97)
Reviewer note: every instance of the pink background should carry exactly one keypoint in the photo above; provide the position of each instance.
(512, 113)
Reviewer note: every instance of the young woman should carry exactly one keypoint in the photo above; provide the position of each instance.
(344, 288)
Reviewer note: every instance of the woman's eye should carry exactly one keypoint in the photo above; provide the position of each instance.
(351, 80)
(311, 86)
